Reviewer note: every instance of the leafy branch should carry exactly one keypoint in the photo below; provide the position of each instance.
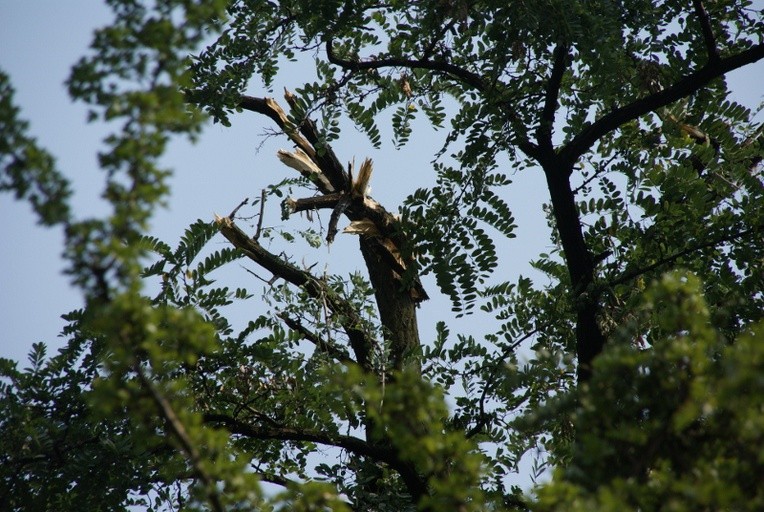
(682, 88)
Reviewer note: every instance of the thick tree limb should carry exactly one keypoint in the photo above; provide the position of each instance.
(360, 342)
(686, 86)
(313, 203)
(708, 34)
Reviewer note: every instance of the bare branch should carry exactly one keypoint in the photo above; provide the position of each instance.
(314, 203)
(259, 229)
(235, 210)
(339, 209)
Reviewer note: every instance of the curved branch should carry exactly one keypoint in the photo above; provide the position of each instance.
(682, 88)
(467, 77)
(483, 421)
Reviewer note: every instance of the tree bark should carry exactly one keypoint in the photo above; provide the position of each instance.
(589, 337)
(397, 308)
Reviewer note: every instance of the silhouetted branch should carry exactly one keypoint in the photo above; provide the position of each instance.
(629, 276)
(708, 33)
(681, 89)
(416, 485)
(469, 78)
(551, 96)
(321, 344)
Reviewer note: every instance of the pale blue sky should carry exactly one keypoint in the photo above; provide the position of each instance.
(40, 40)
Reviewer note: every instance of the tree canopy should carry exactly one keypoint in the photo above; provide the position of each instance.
(635, 365)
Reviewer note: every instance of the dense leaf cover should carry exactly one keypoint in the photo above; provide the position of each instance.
(643, 381)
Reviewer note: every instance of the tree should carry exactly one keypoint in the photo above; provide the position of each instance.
(650, 167)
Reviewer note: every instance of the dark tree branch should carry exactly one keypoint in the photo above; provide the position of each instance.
(483, 417)
(360, 342)
(681, 89)
(314, 203)
(633, 274)
(551, 96)
(337, 212)
(471, 79)
(321, 344)
(708, 34)
(276, 479)
(578, 258)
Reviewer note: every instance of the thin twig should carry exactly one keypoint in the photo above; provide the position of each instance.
(628, 276)
(489, 381)
(323, 345)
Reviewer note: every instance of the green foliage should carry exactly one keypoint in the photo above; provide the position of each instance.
(676, 427)
(26, 169)
(179, 390)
